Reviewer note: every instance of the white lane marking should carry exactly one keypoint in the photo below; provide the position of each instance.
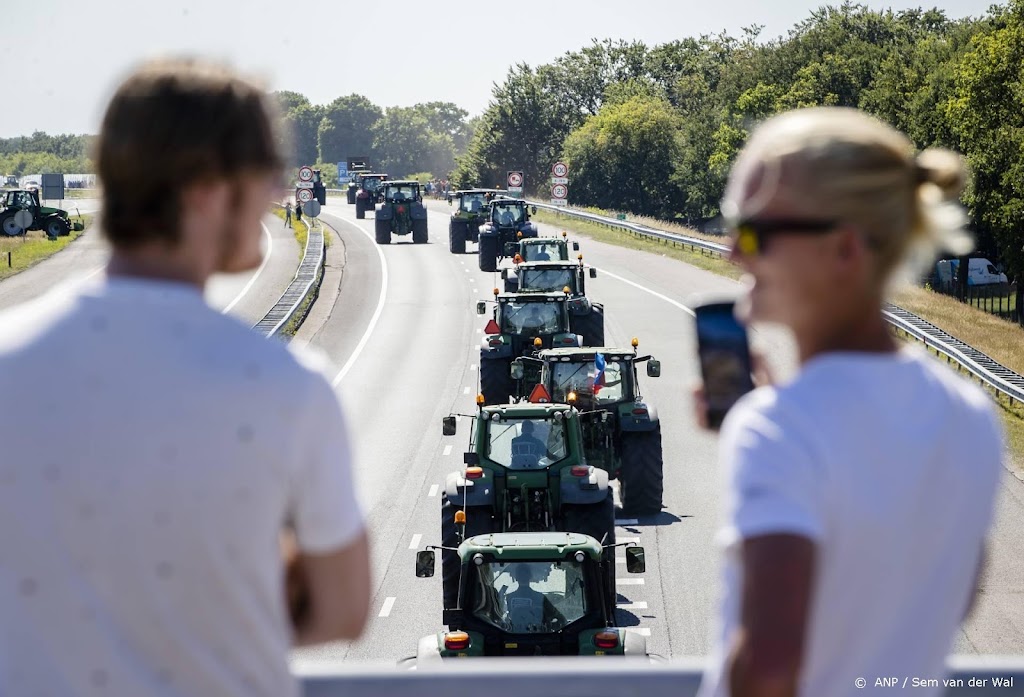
(376, 313)
(626, 521)
(386, 609)
(620, 560)
(472, 367)
(479, 330)
(655, 293)
(415, 543)
(466, 270)
(447, 450)
(629, 582)
(632, 606)
(263, 265)
(433, 492)
(465, 390)
(642, 631)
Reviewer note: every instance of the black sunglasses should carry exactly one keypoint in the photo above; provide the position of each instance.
(752, 235)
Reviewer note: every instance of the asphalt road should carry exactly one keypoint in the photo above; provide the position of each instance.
(404, 338)
(248, 295)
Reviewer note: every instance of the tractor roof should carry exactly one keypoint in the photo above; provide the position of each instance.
(556, 264)
(543, 240)
(402, 181)
(530, 546)
(587, 353)
(364, 175)
(527, 410)
(504, 201)
(531, 297)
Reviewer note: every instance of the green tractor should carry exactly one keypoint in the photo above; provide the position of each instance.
(621, 430)
(531, 594)
(525, 472)
(369, 194)
(521, 324)
(357, 166)
(53, 221)
(586, 318)
(508, 221)
(544, 248)
(471, 211)
(401, 212)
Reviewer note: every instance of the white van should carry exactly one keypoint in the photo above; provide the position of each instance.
(980, 272)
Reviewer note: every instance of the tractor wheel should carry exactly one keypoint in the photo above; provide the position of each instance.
(8, 226)
(598, 521)
(488, 253)
(419, 231)
(495, 383)
(457, 237)
(590, 326)
(350, 195)
(641, 482)
(55, 227)
(382, 231)
(479, 521)
(360, 208)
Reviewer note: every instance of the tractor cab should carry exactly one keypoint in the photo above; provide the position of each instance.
(508, 221)
(545, 248)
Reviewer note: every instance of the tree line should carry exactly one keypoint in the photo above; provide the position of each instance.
(654, 130)
(40, 152)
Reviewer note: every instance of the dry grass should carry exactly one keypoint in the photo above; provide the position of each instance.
(30, 249)
(999, 339)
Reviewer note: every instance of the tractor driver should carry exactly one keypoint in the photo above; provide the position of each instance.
(527, 449)
(527, 608)
(534, 319)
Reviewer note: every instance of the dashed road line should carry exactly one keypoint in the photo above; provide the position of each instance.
(620, 540)
(389, 603)
(632, 606)
(448, 448)
(433, 492)
(629, 582)
(415, 542)
(465, 390)
(642, 631)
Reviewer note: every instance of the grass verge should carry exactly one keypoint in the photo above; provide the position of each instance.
(301, 230)
(20, 253)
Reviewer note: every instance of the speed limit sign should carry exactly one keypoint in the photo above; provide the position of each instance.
(304, 195)
(306, 174)
(559, 191)
(559, 169)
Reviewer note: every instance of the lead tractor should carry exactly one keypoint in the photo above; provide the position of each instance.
(531, 594)
(401, 212)
(525, 472)
(55, 222)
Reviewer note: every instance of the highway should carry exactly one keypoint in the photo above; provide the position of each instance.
(247, 295)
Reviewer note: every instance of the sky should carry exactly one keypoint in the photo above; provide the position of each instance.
(395, 52)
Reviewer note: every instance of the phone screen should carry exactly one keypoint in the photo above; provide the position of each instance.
(724, 358)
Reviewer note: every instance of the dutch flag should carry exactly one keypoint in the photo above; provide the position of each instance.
(599, 378)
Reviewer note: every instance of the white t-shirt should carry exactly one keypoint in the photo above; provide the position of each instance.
(151, 450)
(889, 463)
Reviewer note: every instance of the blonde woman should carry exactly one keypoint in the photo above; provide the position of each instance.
(859, 493)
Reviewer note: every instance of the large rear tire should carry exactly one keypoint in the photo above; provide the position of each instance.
(590, 326)
(488, 253)
(495, 382)
(641, 479)
(598, 521)
(382, 231)
(350, 196)
(55, 227)
(419, 231)
(457, 237)
(360, 208)
(479, 521)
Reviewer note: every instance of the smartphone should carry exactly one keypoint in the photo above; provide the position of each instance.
(724, 353)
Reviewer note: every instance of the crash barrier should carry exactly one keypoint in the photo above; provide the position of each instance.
(306, 284)
(987, 371)
(587, 677)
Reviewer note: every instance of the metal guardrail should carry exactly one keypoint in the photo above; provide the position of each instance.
(304, 283)
(587, 677)
(985, 369)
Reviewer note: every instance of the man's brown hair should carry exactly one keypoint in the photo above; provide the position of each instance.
(172, 124)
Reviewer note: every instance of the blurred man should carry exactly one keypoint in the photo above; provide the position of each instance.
(158, 447)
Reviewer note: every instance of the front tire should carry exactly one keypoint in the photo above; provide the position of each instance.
(488, 253)
(457, 237)
(641, 479)
(479, 521)
(360, 208)
(56, 227)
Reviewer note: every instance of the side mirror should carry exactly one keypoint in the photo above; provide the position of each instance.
(593, 272)
(635, 563)
(481, 308)
(425, 563)
(653, 368)
(448, 426)
(516, 370)
(533, 210)
(504, 274)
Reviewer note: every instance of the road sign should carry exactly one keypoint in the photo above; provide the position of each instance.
(559, 170)
(515, 181)
(304, 195)
(23, 219)
(311, 209)
(559, 180)
(559, 202)
(559, 191)
(305, 174)
(303, 185)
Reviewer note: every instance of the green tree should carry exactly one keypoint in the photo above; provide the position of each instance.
(346, 128)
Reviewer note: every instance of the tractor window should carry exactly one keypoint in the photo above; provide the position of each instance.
(544, 251)
(547, 280)
(530, 597)
(508, 215)
(401, 193)
(591, 388)
(23, 198)
(531, 318)
(526, 443)
(473, 203)
(372, 184)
